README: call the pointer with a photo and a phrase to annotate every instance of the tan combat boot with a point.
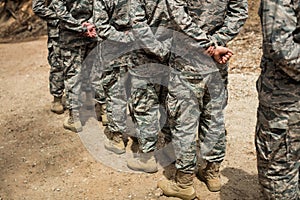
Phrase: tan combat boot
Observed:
(104, 119)
(72, 122)
(116, 144)
(100, 110)
(57, 106)
(210, 175)
(103, 115)
(182, 187)
(145, 162)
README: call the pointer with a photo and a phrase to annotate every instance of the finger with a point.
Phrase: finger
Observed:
(224, 60)
(85, 24)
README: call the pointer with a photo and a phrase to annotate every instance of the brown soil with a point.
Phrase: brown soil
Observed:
(41, 160)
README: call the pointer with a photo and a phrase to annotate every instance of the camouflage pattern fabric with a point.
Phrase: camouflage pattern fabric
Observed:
(72, 13)
(212, 133)
(225, 22)
(94, 60)
(209, 24)
(56, 78)
(277, 131)
(186, 104)
(115, 87)
(43, 9)
(87, 65)
(150, 22)
(278, 152)
(74, 46)
(145, 108)
(92, 72)
(278, 85)
(184, 114)
(72, 61)
(113, 25)
(112, 21)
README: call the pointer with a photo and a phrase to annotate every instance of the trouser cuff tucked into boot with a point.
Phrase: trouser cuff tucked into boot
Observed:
(182, 187)
(72, 122)
(115, 143)
(144, 162)
(210, 175)
(57, 106)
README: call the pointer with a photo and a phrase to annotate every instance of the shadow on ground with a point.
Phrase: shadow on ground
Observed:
(240, 185)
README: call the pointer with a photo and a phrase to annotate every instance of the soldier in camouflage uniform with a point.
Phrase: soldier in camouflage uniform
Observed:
(182, 103)
(77, 38)
(149, 70)
(112, 23)
(43, 9)
(277, 137)
(222, 21)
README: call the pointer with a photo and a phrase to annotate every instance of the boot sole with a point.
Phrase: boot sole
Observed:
(59, 112)
(143, 170)
(116, 151)
(184, 197)
(73, 129)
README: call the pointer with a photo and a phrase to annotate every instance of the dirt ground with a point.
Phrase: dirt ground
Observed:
(41, 160)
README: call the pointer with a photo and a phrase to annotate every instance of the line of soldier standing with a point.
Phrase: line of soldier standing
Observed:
(145, 54)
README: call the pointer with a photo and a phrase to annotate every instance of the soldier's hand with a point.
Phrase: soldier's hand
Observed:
(91, 30)
(210, 51)
(222, 54)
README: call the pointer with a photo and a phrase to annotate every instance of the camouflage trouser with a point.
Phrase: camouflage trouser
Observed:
(56, 78)
(212, 133)
(146, 96)
(185, 104)
(93, 72)
(72, 58)
(115, 89)
(184, 114)
(278, 153)
(88, 60)
(97, 75)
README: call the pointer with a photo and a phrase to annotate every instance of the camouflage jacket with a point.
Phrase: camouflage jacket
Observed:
(209, 23)
(168, 18)
(150, 23)
(222, 20)
(279, 83)
(44, 10)
(113, 25)
(72, 13)
(112, 21)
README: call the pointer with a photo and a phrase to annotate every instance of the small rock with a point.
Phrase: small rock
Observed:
(158, 192)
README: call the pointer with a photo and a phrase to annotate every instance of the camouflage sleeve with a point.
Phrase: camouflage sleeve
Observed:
(177, 11)
(279, 20)
(142, 31)
(296, 32)
(236, 16)
(66, 17)
(40, 8)
(102, 20)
